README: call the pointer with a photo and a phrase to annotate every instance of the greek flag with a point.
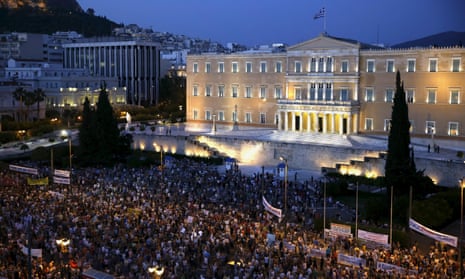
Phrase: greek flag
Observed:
(320, 14)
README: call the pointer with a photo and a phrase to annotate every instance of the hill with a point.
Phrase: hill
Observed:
(49, 16)
(444, 39)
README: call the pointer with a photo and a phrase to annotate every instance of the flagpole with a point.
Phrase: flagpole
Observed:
(324, 21)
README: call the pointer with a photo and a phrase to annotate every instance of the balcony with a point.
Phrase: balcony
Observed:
(348, 103)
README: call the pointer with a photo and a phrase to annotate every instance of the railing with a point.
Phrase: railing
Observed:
(318, 102)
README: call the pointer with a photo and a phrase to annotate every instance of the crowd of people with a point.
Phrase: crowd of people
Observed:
(189, 219)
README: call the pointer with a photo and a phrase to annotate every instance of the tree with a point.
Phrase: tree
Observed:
(39, 96)
(87, 133)
(400, 167)
(19, 94)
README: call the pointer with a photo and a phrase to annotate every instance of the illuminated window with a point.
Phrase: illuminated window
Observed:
(262, 117)
(195, 90)
(220, 67)
(234, 90)
(234, 67)
(221, 116)
(344, 66)
(195, 68)
(312, 91)
(263, 92)
(208, 67)
(430, 128)
(313, 64)
(369, 95)
(278, 67)
(278, 92)
(389, 96)
(431, 96)
(411, 65)
(208, 91)
(195, 114)
(456, 64)
(371, 66)
(329, 64)
(248, 67)
(344, 94)
(329, 92)
(453, 129)
(208, 115)
(220, 91)
(321, 64)
(298, 67)
(248, 92)
(368, 124)
(433, 64)
(390, 66)
(387, 125)
(320, 92)
(298, 93)
(410, 96)
(248, 117)
(454, 96)
(263, 67)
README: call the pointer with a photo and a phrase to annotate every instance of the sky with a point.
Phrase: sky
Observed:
(261, 22)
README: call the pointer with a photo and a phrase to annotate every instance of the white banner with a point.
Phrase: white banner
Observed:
(374, 237)
(61, 180)
(448, 239)
(34, 252)
(22, 169)
(273, 210)
(350, 260)
(61, 173)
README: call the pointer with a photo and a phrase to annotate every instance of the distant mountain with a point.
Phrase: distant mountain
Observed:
(49, 16)
(445, 39)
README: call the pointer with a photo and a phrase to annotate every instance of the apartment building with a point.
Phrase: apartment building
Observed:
(329, 85)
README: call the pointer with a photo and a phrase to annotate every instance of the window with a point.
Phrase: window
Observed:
(344, 94)
(208, 91)
(221, 91)
(320, 92)
(389, 96)
(298, 93)
(298, 67)
(433, 64)
(234, 116)
(370, 66)
(262, 67)
(262, 118)
(431, 96)
(195, 90)
(221, 116)
(344, 66)
(195, 67)
(195, 114)
(248, 117)
(387, 125)
(453, 129)
(248, 92)
(368, 124)
(234, 90)
(430, 128)
(455, 64)
(313, 64)
(454, 96)
(208, 115)
(369, 95)
(329, 92)
(208, 67)
(390, 66)
(278, 67)
(329, 64)
(248, 67)
(220, 67)
(312, 91)
(411, 65)
(234, 67)
(410, 96)
(278, 92)
(263, 92)
(321, 64)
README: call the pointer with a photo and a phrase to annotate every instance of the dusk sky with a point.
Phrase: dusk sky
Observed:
(257, 22)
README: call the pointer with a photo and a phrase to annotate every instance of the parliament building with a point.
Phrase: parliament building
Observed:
(329, 85)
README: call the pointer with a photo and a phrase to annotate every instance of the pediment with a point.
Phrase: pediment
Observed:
(323, 42)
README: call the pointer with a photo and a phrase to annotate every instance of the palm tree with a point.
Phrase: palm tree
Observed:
(39, 96)
(19, 94)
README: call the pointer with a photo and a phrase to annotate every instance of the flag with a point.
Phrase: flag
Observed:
(320, 14)
(275, 211)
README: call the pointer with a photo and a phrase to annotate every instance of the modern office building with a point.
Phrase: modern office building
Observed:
(136, 64)
(329, 85)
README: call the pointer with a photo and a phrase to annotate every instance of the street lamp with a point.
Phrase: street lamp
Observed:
(214, 124)
(63, 247)
(156, 271)
(67, 134)
(461, 185)
(286, 169)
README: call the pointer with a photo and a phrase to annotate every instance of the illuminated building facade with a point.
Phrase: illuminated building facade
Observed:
(329, 85)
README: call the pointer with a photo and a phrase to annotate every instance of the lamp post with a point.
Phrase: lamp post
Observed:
(286, 169)
(324, 209)
(461, 185)
(67, 134)
(156, 271)
(214, 124)
(63, 247)
(356, 214)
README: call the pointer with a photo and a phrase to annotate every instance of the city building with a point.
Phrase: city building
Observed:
(329, 85)
(136, 64)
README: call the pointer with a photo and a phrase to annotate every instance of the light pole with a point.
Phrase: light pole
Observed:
(67, 134)
(63, 247)
(286, 169)
(214, 124)
(156, 271)
(356, 214)
(461, 185)
(324, 209)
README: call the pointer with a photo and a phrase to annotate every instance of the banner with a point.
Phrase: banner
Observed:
(61, 173)
(34, 252)
(448, 239)
(61, 180)
(22, 169)
(350, 260)
(37, 181)
(373, 237)
(275, 211)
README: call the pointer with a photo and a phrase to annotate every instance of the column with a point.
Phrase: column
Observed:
(333, 124)
(341, 122)
(356, 123)
(286, 121)
(349, 123)
(325, 123)
(301, 120)
(280, 121)
(293, 121)
(309, 120)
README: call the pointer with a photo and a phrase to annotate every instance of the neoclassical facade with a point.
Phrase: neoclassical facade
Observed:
(329, 85)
